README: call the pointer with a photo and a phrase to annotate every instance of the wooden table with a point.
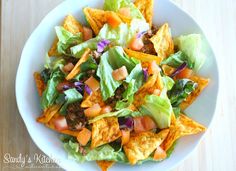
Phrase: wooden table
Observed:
(217, 18)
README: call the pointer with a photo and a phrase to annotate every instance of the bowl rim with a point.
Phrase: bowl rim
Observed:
(17, 80)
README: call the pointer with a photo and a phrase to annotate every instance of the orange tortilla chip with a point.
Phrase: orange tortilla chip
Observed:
(182, 127)
(49, 113)
(143, 57)
(71, 25)
(97, 18)
(141, 145)
(67, 132)
(105, 165)
(146, 8)
(168, 70)
(163, 42)
(105, 131)
(202, 83)
(39, 83)
(94, 98)
(76, 69)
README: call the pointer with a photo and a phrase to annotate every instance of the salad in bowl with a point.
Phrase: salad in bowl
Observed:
(116, 88)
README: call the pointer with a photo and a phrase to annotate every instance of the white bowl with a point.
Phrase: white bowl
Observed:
(32, 60)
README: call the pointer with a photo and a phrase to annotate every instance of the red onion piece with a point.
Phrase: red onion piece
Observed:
(179, 69)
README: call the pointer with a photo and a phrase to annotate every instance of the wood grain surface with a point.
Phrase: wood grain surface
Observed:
(217, 18)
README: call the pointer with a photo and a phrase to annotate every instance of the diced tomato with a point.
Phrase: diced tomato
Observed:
(125, 11)
(92, 83)
(60, 86)
(87, 33)
(185, 73)
(84, 136)
(93, 111)
(138, 125)
(143, 123)
(159, 154)
(106, 109)
(113, 20)
(153, 68)
(136, 44)
(68, 67)
(157, 92)
(60, 123)
(120, 74)
(148, 123)
(125, 135)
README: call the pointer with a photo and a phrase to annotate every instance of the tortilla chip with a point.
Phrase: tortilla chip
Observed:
(105, 165)
(39, 83)
(97, 18)
(76, 69)
(141, 145)
(143, 57)
(168, 70)
(105, 131)
(49, 113)
(50, 125)
(183, 126)
(163, 42)
(94, 98)
(202, 83)
(146, 8)
(71, 25)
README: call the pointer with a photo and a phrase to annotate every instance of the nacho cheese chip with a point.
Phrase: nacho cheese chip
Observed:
(182, 127)
(39, 83)
(163, 42)
(97, 18)
(202, 83)
(49, 113)
(71, 25)
(76, 69)
(143, 57)
(94, 98)
(105, 165)
(50, 125)
(105, 131)
(141, 145)
(146, 8)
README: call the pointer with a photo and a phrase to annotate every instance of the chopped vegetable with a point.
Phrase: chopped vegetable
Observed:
(179, 69)
(125, 11)
(102, 45)
(125, 135)
(185, 73)
(87, 90)
(113, 20)
(92, 83)
(136, 44)
(106, 109)
(120, 73)
(68, 67)
(93, 111)
(60, 123)
(84, 136)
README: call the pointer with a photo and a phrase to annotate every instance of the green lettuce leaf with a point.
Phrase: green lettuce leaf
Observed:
(113, 59)
(115, 5)
(192, 46)
(105, 152)
(72, 96)
(159, 108)
(180, 91)
(168, 82)
(66, 40)
(78, 50)
(90, 64)
(50, 93)
(177, 59)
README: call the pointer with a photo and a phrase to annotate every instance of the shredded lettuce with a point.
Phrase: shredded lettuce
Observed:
(90, 64)
(177, 59)
(115, 5)
(105, 152)
(180, 91)
(50, 93)
(72, 95)
(113, 59)
(192, 46)
(66, 40)
(168, 82)
(159, 108)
